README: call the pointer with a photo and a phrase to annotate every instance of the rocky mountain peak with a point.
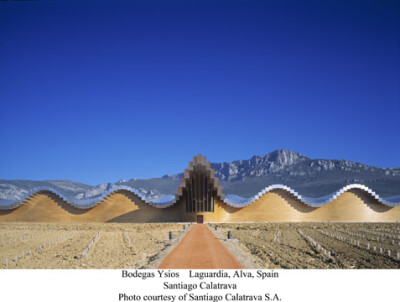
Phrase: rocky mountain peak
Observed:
(258, 165)
(312, 177)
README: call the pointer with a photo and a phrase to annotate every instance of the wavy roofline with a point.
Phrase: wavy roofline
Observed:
(309, 201)
(162, 202)
(231, 200)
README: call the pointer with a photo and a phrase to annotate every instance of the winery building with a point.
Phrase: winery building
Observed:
(200, 199)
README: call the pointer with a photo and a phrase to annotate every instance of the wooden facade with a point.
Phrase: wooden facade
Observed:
(199, 195)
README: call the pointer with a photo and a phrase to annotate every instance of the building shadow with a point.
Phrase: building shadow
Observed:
(146, 212)
(291, 200)
(54, 197)
(6, 212)
(294, 202)
(229, 209)
(63, 204)
(370, 201)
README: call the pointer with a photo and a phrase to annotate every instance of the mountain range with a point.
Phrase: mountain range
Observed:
(309, 177)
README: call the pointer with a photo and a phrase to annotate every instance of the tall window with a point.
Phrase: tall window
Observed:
(199, 193)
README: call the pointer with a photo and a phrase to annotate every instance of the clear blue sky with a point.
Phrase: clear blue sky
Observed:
(94, 91)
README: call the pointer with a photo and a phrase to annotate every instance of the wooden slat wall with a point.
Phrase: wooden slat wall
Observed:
(199, 193)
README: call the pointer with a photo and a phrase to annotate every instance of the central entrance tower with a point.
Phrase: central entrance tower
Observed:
(199, 188)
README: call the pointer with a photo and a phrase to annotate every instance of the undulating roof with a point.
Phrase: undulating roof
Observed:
(200, 164)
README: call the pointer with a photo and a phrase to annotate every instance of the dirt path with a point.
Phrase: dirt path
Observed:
(200, 249)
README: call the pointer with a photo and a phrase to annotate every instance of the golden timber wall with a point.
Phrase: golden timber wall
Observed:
(349, 206)
(275, 206)
(119, 207)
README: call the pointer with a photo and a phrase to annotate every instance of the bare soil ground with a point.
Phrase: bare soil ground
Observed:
(318, 245)
(145, 245)
(62, 245)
